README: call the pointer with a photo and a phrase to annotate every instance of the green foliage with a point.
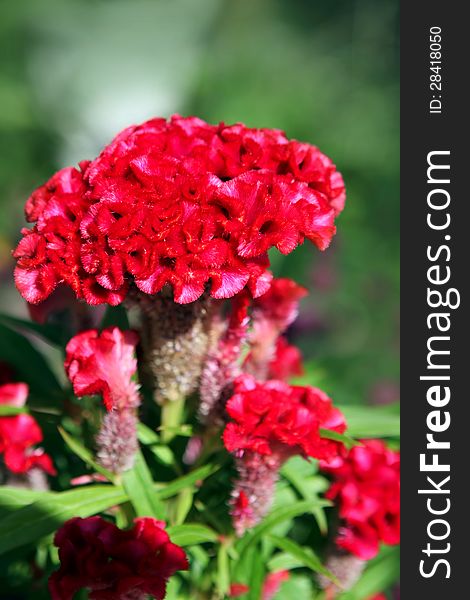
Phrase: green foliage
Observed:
(30, 365)
(43, 516)
(365, 422)
(79, 450)
(379, 575)
(138, 484)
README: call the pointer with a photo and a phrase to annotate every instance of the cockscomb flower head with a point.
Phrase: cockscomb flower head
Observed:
(366, 489)
(113, 564)
(177, 202)
(276, 418)
(272, 422)
(20, 433)
(104, 363)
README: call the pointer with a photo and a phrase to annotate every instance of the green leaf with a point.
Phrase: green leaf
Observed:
(284, 561)
(371, 421)
(302, 476)
(379, 575)
(147, 436)
(257, 576)
(51, 333)
(28, 363)
(305, 556)
(171, 489)
(44, 516)
(283, 513)
(79, 449)
(12, 498)
(223, 571)
(190, 534)
(165, 456)
(338, 437)
(151, 440)
(298, 586)
(182, 505)
(138, 484)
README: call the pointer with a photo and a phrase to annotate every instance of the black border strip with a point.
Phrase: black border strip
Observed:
(423, 132)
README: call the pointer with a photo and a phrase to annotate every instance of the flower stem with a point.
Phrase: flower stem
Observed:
(171, 418)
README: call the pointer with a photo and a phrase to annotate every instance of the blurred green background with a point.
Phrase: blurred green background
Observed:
(74, 72)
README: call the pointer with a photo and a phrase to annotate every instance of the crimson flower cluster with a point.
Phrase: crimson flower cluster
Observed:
(272, 422)
(114, 564)
(20, 433)
(177, 202)
(366, 488)
(276, 418)
(104, 363)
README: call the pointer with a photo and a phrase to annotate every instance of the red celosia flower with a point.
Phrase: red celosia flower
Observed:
(378, 597)
(114, 564)
(279, 306)
(286, 362)
(273, 582)
(272, 422)
(19, 433)
(272, 314)
(366, 487)
(181, 203)
(104, 363)
(275, 418)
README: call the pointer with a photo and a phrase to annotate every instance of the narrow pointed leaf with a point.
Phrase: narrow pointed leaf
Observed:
(44, 516)
(138, 484)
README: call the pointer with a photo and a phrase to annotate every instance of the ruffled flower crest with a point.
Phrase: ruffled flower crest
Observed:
(104, 364)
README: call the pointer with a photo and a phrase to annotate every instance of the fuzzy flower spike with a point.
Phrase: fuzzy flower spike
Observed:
(183, 210)
(103, 363)
(272, 422)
